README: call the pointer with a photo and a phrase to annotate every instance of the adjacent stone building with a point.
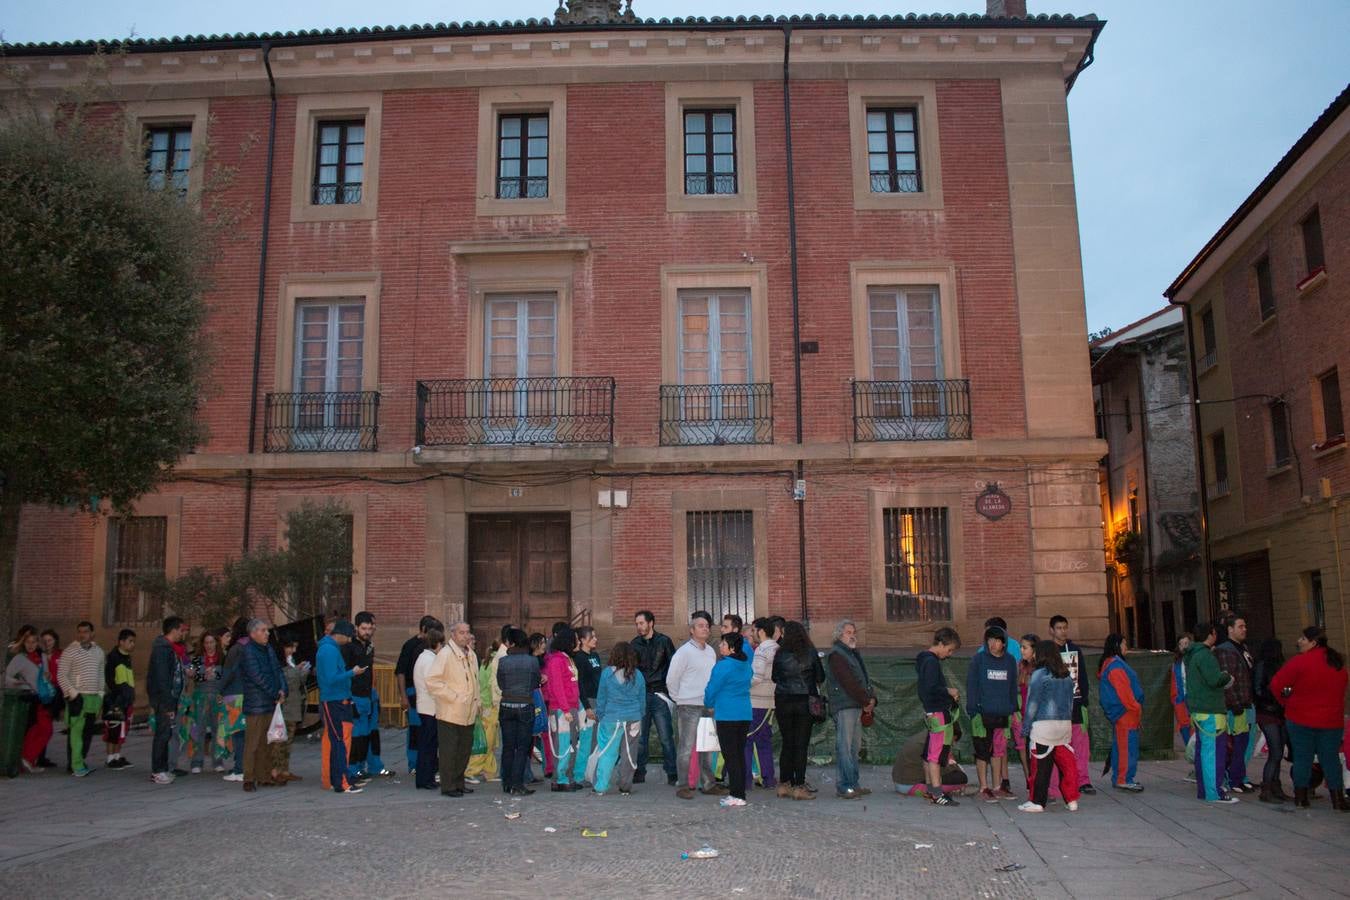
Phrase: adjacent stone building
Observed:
(1150, 507)
(1267, 304)
(587, 316)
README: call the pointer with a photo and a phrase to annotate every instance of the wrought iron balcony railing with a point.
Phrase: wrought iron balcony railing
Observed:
(529, 411)
(911, 410)
(699, 414)
(321, 422)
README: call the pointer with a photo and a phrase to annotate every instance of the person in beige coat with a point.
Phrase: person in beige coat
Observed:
(453, 682)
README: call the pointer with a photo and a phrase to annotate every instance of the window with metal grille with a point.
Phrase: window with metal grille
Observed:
(136, 547)
(329, 350)
(168, 157)
(337, 586)
(721, 562)
(710, 151)
(1311, 226)
(1209, 339)
(1279, 434)
(1218, 451)
(918, 564)
(1333, 422)
(522, 156)
(339, 163)
(1265, 290)
(893, 150)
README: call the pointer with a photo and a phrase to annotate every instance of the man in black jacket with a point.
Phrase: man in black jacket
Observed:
(654, 652)
(1075, 659)
(164, 686)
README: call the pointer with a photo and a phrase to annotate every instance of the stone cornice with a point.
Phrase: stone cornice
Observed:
(531, 57)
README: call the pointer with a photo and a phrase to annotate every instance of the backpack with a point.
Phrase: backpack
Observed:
(46, 691)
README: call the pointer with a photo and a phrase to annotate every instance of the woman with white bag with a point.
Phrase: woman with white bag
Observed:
(619, 704)
(728, 696)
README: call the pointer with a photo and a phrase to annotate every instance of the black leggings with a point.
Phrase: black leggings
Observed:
(794, 725)
(1276, 741)
(731, 736)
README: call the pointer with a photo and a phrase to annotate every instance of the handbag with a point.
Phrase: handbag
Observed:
(706, 739)
(818, 707)
(540, 714)
(276, 732)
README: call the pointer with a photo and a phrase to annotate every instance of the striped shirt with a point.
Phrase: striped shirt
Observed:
(80, 670)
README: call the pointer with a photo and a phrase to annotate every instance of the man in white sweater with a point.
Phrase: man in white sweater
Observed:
(690, 669)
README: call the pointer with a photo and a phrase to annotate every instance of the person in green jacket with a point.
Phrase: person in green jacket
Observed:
(1205, 683)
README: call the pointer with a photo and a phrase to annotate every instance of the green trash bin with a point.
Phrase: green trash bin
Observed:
(14, 708)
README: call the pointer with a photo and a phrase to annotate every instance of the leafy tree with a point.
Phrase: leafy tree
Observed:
(101, 310)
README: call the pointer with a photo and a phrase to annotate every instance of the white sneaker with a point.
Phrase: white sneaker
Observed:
(196, 770)
(469, 779)
(162, 778)
(1072, 806)
(29, 767)
(731, 801)
(220, 767)
(1030, 807)
(234, 776)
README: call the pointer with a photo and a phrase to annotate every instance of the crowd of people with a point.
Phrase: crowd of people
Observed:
(233, 700)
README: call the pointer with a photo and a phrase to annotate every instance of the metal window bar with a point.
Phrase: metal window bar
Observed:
(697, 414)
(937, 410)
(721, 562)
(918, 564)
(893, 150)
(168, 157)
(710, 151)
(321, 422)
(339, 161)
(540, 411)
(337, 584)
(136, 549)
(522, 156)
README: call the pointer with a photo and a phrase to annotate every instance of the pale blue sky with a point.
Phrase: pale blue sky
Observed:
(1189, 104)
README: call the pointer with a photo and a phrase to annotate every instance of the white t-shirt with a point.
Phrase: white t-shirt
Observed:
(426, 704)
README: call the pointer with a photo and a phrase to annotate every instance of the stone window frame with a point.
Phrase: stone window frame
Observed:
(168, 506)
(357, 506)
(492, 101)
(881, 499)
(752, 277)
(687, 501)
(310, 109)
(863, 276)
(735, 95)
(153, 113)
(922, 95)
(298, 288)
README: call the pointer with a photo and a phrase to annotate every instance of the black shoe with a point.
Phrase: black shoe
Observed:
(521, 792)
(1087, 789)
(576, 786)
(639, 777)
(536, 781)
(561, 789)
(452, 793)
(179, 773)
(672, 780)
(467, 790)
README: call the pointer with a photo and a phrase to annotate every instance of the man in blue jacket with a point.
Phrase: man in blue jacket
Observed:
(335, 706)
(264, 688)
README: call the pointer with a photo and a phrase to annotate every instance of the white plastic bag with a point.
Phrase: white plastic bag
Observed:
(706, 740)
(1190, 747)
(276, 732)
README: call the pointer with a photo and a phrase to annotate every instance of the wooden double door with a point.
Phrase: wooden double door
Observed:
(519, 573)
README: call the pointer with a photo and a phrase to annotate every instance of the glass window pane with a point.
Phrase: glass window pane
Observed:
(510, 126)
(695, 143)
(536, 168)
(696, 165)
(356, 154)
(510, 168)
(353, 174)
(723, 143)
(904, 143)
(876, 143)
(694, 122)
(356, 134)
(328, 155)
(328, 134)
(723, 123)
(539, 127)
(876, 120)
(906, 162)
(538, 147)
(904, 121)
(724, 164)
(878, 162)
(510, 148)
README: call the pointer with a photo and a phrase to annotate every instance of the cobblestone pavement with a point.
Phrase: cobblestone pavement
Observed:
(117, 834)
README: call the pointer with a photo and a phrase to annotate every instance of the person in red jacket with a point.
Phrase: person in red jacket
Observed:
(1312, 688)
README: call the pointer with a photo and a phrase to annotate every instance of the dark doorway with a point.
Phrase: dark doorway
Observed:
(1169, 621)
(519, 573)
(1242, 586)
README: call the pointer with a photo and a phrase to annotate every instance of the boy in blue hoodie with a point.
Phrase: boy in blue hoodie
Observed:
(335, 704)
(991, 700)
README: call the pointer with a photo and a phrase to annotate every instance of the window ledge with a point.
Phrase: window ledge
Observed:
(1313, 281)
(1329, 447)
(1218, 491)
(1206, 366)
(1279, 470)
(1265, 323)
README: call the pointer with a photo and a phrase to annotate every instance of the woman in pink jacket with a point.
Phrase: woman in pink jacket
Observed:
(562, 696)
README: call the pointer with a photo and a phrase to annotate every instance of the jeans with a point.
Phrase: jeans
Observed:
(1239, 742)
(847, 746)
(658, 713)
(237, 743)
(759, 746)
(1275, 740)
(426, 749)
(731, 737)
(1325, 744)
(687, 718)
(516, 724)
(794, 726)
(166, 719)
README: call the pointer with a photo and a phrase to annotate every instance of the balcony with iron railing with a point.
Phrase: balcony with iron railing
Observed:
(327, 422)
(716, 414)
(515, 411)
(936, 410)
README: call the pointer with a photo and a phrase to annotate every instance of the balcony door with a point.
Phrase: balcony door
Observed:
(520, 362)
(906, 337)
(329, 349)
(715, 365)
(519, 572)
